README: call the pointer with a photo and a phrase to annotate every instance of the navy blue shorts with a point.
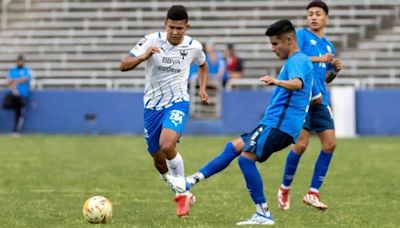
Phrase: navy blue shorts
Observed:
(264, 141)
(319, 118)
(173, 118)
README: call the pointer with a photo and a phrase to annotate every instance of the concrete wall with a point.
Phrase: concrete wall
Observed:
(70, 112)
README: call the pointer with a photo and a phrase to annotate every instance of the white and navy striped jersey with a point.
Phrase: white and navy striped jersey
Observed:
(167, 72)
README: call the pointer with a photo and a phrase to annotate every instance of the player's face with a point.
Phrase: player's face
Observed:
(20, 63)
(176, 30)
(316, 18)
(280, 46)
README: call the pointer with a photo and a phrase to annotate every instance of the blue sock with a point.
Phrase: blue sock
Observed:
(253, 180)
(320, 170)
(220, 162)
(290, 168)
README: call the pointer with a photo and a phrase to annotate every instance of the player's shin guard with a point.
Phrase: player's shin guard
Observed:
(220, 162)
(292, 161)
(320, 170)
(253, 179)
(176, 166)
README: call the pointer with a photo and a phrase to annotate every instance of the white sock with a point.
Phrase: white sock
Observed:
(175, 166)
(262, 209)
(195, 178)
(285, 187)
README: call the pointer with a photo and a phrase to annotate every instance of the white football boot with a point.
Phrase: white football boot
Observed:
(258, 219)
(313, 199)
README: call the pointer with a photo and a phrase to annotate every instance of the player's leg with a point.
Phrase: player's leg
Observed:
(172, 128)
(247, 164)
(328, 142)
(20, 114)
(260, 146)
(152, 129)
(326, 131)
(15, 105)
(292, 161)
(219, 163)
(174, 162)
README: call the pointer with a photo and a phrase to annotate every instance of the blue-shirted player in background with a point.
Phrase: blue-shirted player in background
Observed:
(19, 83)
(312, 42)
(280, 125)
(168, 56)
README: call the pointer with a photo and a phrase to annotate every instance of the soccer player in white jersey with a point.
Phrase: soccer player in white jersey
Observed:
(168, 56)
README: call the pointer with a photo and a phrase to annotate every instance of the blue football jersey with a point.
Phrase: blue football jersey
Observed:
(20, 72)
(288, 109)
(312, 45)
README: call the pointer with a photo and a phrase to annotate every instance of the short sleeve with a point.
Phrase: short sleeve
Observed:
(198, 56)
(297, 67)
(143, 44)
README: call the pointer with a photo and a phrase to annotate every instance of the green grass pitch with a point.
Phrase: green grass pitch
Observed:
(44, 181)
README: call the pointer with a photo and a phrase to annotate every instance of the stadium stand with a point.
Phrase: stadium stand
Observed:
(70, 41)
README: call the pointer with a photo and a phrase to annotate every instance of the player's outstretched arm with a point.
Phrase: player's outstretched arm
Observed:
(203, 79)
(294, 84)
(131, 62)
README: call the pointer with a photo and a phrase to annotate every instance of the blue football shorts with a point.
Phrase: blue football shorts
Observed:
(319, 118)
(264, 141)
(173, 117)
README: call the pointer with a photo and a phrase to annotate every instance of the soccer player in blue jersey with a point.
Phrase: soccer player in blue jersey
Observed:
(18, 81)
(312, 42)
(168, 56)
(280, 125)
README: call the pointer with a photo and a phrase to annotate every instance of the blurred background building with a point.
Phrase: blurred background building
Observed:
(77, 45)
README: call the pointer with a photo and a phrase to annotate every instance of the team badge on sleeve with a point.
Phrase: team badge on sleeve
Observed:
(142, 41)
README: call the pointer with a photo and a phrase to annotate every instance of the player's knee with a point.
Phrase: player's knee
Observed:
(329, 146)
(300, 147)
(167, 147)
(237, 144)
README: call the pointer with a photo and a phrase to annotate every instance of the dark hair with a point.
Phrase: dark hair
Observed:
(177, 13)
(280, 27)
(320, 4)
(230, 46)
(21, 57)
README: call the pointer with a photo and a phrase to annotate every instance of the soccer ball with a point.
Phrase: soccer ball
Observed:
(97, 209)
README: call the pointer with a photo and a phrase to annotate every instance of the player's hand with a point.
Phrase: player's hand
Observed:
(149, 52)
(337, 65)
(269, 80)
(327, 58)
(205, 99)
